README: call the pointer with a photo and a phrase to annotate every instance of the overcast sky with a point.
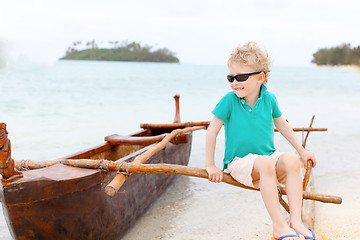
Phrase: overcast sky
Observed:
(200, 32)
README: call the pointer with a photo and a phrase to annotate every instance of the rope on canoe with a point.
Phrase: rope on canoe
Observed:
(102, 164)
(24, 165)
(127, 168)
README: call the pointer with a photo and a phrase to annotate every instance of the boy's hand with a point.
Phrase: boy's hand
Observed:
(305, 155)
(215, 174)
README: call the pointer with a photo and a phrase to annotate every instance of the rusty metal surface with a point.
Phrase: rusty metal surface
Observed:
(62, 203)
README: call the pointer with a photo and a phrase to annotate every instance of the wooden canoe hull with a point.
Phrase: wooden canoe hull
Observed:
(61, 202)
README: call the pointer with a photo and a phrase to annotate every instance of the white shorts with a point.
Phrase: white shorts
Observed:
(241, 168)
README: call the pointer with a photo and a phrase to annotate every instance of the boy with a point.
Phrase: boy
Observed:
(249, 114)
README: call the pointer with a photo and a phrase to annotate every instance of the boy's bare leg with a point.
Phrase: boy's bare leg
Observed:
(288, 169)
(264, 174)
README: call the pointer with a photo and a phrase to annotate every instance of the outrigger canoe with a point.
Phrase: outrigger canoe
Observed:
(63, 202)
(76, 197)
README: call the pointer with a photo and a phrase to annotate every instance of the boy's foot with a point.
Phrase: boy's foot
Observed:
(314, 234)
(307, 232)
(287, 237)
(286, 234)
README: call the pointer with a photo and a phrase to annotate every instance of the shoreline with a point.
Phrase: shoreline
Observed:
(339, 66)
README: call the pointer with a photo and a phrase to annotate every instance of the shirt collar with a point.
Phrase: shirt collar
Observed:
(262, 91)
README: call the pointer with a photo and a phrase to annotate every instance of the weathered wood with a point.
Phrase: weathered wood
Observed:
(307, 174)
(308, 207)
(116, 139)
(206, 124)
(24, 165)
(177, 109)
(284, 204)
(309, 162)
(307, 129)
(113, 187)
(308, 132)
(174, 125)
(187, 171)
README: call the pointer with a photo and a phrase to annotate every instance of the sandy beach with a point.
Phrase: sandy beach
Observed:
(232, 213)
(339, 221)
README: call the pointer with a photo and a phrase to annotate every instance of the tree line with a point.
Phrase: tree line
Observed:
(123, 51)
(340, 55)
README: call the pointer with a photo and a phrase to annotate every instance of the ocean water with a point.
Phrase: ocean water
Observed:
(54, 110)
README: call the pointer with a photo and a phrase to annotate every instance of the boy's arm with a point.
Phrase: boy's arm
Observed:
(286, 130)
(215, 174)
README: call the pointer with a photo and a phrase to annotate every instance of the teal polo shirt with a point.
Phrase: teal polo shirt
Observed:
(248, 130)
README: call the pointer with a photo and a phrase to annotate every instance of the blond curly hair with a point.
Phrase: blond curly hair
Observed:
(252, 55)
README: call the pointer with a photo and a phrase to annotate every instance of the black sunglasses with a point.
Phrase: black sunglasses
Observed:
(241, 77)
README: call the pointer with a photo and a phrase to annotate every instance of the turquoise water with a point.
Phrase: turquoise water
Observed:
(52, 111)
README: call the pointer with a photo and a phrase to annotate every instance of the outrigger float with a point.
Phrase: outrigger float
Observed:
(76, 197)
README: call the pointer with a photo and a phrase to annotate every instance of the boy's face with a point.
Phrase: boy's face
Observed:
(246, 88)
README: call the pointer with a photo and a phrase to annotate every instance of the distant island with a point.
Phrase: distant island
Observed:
(124, 52)
(340, 55)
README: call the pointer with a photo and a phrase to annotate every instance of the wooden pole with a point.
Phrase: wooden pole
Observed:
(284, 204)
(308, 131)
(23, 165)
(307, 174)
(113, 187)
(309, 163)
(175, 125)
(206, 124)
(187, 171)
(308, 209)
(177, 109)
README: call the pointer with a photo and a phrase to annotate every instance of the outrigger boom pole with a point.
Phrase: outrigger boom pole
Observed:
(179, 170)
